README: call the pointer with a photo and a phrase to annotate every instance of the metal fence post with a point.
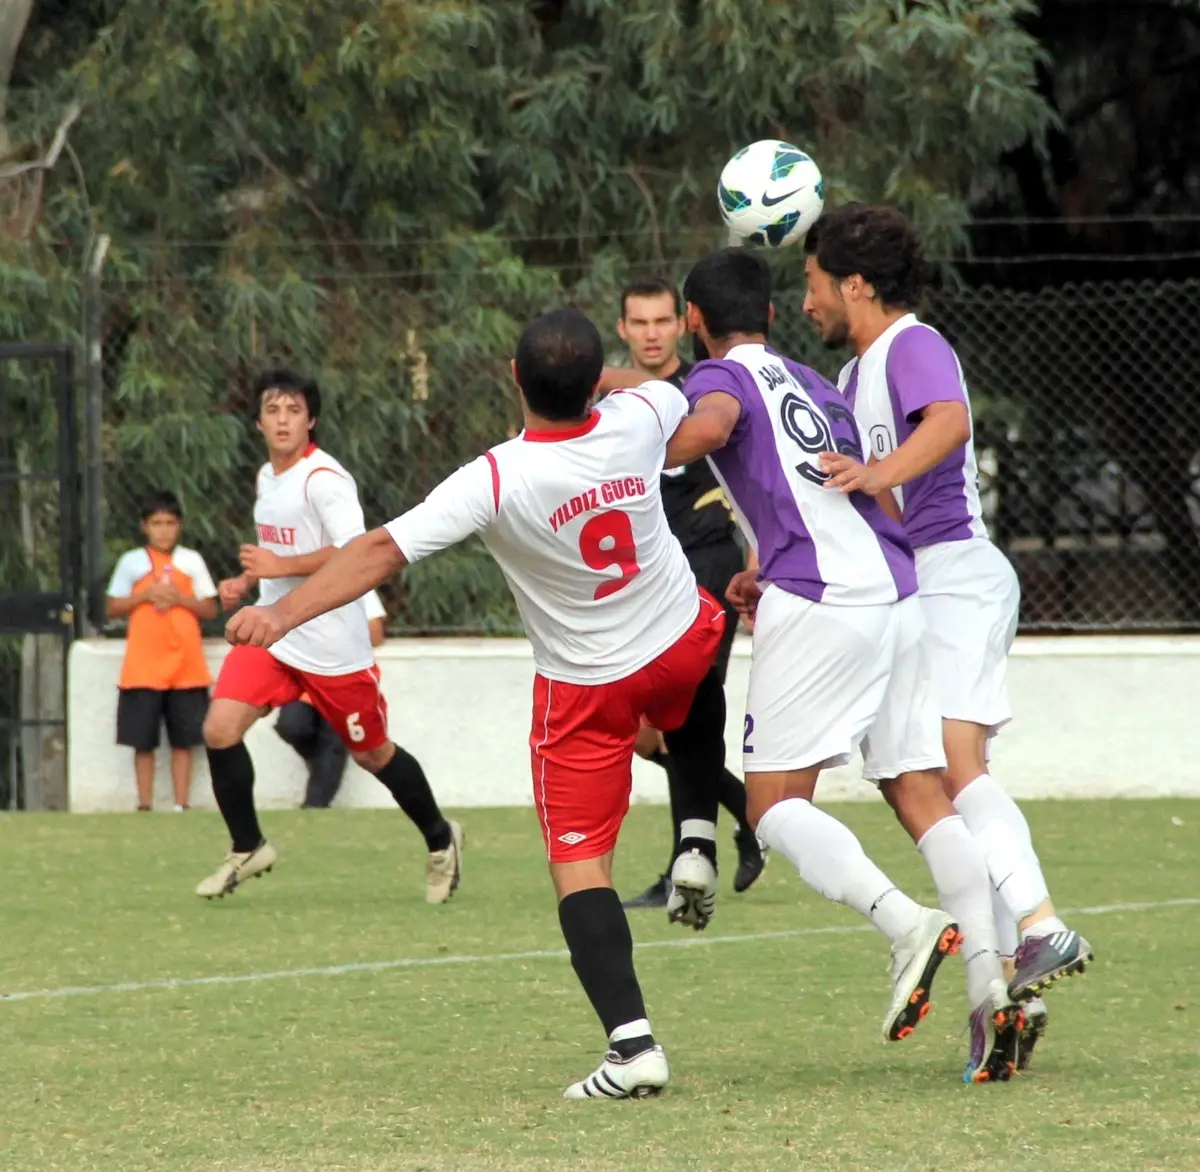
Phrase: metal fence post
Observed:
(93, 420)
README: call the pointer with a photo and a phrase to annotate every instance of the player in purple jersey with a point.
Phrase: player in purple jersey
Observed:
(840, 659)
(906, 388)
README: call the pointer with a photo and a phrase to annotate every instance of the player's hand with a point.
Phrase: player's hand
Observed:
(231, 591)
(848, 475)
(743, 593)
(262, 563)
(258, 626)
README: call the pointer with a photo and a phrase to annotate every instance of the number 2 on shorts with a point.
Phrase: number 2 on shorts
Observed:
(747, 747)
(605, 541)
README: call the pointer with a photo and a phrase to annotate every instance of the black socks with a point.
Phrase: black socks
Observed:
(233, 787)
(406, 780)
(598, 938)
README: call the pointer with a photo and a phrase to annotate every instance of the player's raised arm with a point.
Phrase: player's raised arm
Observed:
(617, 378)
(464, 503)
(348, 574)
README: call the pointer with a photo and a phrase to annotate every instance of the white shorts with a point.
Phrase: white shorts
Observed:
(971, 597)
(826, 679)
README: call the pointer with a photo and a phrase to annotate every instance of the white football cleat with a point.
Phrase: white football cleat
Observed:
(443, 870)
(640, 1077)
(237, 868)
(693, 898)
(915, 961)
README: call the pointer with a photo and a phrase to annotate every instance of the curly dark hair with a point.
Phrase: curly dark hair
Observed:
(878, 243)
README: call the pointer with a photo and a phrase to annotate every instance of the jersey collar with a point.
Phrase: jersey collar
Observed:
(548, 436)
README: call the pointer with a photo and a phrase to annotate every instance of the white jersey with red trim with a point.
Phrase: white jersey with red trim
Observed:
(575, 520)
(314, 503)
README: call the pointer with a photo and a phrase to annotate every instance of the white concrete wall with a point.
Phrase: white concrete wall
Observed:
(1095, 716)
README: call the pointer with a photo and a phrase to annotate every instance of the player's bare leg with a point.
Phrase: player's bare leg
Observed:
(831, 860)
(181, 776)
(1047, 949)
(143, 773)
(965, 893)
(232, 771)
(601, 947)
(405, 780)
(651, 747)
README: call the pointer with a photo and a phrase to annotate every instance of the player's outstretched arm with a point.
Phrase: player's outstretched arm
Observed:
(619, 378)
(943, 429)
(348, 574)
(708, 428)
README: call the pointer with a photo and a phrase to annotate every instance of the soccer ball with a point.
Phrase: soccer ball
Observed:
(770, 193)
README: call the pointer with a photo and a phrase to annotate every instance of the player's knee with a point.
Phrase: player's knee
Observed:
(220, 731)
(918, 799)
(966, 753)
(373, 760)
(296, 723)
(649, 741)
(757, 804)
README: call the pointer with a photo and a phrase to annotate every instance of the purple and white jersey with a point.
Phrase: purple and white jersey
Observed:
(826, 546)
(908, 367)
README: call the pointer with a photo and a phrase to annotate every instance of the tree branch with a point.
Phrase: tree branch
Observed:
(648, 196)
(48, 160)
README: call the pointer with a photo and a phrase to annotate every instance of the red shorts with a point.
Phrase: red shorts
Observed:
(583, 737)
(353, 704)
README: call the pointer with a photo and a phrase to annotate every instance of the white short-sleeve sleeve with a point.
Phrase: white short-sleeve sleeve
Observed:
(374, 605)
(130, 570)
(668, 403)
(464, 503)
(192, 564)
(334, 497)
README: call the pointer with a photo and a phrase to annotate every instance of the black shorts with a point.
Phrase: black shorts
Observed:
(141, 713)
(714, 566)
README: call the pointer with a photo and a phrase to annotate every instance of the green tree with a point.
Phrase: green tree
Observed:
(382, 191)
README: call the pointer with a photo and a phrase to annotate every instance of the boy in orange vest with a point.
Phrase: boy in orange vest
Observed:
(164, 590)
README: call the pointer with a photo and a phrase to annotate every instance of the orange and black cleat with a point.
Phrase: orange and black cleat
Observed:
(915, 962)
(996, 1025)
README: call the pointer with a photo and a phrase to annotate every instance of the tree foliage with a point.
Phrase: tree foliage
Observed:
(382, 191)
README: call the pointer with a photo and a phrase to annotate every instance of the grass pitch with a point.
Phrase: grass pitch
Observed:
(441, 1038)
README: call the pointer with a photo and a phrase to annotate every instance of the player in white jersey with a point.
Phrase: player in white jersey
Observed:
(571, 511)
(839, 659)
(307, 505)
(906, 388)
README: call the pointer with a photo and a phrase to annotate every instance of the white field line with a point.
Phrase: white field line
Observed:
(423, 962)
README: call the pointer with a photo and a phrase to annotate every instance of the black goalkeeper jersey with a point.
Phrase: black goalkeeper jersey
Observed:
(695, 503)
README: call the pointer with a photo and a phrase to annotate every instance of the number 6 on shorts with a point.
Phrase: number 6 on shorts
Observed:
(354, 730)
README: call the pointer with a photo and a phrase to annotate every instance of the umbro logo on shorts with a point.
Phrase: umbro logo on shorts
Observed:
(571, 838)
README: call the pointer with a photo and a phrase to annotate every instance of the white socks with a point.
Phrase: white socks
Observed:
(965, 892)
(832, 861)
(997, 824)
(631, 1029)
(1045, 927)
(697, 828)
(1007, 935)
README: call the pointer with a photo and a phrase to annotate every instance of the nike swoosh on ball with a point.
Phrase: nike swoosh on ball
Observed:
(768, 202)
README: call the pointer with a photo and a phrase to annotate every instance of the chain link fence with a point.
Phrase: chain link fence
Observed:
(1085, 397)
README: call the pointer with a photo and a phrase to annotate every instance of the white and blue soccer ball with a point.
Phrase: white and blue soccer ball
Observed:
(770, 193)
